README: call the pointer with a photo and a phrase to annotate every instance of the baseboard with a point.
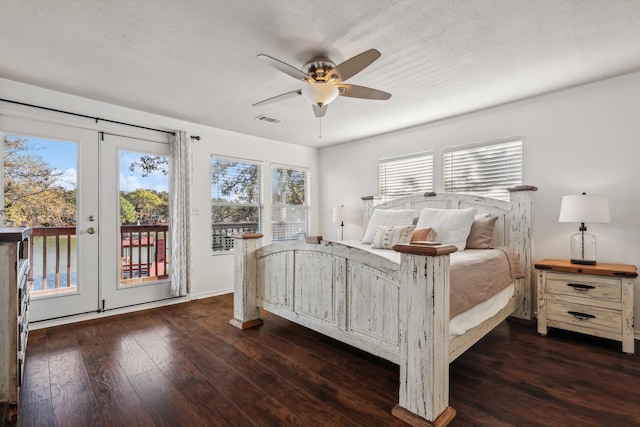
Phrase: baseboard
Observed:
(98, 315)
(211, 294)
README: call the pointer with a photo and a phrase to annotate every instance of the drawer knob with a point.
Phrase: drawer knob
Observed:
(580, 287)
(581, 316)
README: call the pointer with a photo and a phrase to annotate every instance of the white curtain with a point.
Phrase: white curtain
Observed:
(180, 208)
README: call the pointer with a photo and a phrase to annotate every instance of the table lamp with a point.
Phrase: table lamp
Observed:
(340, 214)
(584, 208)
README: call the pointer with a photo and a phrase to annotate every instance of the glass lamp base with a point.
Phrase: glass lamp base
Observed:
(583, 248)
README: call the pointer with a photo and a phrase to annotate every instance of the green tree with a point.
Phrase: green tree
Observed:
(288, 186)
(32, 193)
(233, 186)
(128, 213)
(162, 211)
(146, 203)
(235, 181)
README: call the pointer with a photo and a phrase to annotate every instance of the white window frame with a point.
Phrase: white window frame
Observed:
(225, 238)
(393, 172)
(501, 168)
(299, 234)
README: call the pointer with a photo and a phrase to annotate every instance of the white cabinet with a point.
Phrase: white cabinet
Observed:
(14, 314)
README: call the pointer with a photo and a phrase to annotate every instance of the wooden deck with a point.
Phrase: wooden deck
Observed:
(184, 365)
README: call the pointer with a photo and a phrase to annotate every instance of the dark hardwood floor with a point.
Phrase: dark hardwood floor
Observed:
(184, 365)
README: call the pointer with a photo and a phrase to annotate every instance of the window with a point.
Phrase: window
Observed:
(401, 176)
(289, 203)
(236, 202)
(485, 170)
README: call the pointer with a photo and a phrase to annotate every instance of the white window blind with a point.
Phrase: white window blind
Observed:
(236, 201)
(401, 176)
(289, 203)
(486, 170)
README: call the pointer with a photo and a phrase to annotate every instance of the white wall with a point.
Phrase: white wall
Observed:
(585, 139)
(211, 274)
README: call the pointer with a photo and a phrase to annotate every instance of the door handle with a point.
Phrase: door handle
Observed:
(91, 230)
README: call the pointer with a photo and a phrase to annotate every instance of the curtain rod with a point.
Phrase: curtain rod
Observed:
(196, 137)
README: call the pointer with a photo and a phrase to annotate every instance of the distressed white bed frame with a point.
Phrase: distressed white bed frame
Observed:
(400, 313)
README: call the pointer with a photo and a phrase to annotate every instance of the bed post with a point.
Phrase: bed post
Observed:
(424, 335)
(367, 209)
(521, 241)
(245, 311)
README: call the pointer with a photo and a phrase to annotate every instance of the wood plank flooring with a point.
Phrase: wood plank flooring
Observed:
(184, 365)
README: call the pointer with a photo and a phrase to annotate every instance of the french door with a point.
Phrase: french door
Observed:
(50, 182)
(98, 207)
(135, 245)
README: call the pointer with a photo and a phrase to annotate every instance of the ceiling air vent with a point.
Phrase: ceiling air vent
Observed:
(268, 119)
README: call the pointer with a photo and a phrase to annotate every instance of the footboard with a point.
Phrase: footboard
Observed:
(339, 291)
(354, 297)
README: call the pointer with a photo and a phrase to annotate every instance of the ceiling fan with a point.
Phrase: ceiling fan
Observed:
(325, 81)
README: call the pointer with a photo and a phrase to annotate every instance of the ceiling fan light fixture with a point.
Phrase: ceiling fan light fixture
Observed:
(320, 93)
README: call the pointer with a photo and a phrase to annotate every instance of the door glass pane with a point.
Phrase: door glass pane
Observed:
(40, 191)
(144, 218)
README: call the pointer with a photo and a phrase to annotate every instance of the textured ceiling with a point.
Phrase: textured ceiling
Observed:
(196, 59)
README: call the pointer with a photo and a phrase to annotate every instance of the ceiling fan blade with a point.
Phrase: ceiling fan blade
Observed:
(278, 98)
(286, 68)
(355, 91)
(353, 66)
(319, 110)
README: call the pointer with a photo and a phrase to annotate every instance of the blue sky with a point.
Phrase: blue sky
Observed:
(59, 155)
(129, 181)
(63, 157)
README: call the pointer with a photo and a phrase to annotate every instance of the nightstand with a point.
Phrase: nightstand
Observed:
(591, 299)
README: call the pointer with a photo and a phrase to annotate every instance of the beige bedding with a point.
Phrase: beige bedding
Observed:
(478, 274)
(475, 276)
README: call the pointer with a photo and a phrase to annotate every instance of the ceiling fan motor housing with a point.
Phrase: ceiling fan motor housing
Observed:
(320, 69)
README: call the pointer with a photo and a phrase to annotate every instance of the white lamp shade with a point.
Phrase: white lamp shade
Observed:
(320, 93)
(340, 214)
(585, 208)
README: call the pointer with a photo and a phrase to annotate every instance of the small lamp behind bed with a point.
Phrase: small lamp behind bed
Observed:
(340, 215)
(584, 208)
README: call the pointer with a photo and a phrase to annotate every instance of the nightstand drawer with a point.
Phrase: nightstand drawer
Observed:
(577, 316)
(581, 285)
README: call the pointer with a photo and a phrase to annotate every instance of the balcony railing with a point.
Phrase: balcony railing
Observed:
(143, 253)
(223, 233)
(53, 259)
(144, 257)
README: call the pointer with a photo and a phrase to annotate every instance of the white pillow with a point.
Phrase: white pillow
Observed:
(387, 217)
(452, 226)
(388, 236)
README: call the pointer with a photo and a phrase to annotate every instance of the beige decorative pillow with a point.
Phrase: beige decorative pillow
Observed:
(387, 217)
(388, 236)
(422, 234)
(481, 232)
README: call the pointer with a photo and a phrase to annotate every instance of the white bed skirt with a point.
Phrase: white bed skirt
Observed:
(481, 312)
